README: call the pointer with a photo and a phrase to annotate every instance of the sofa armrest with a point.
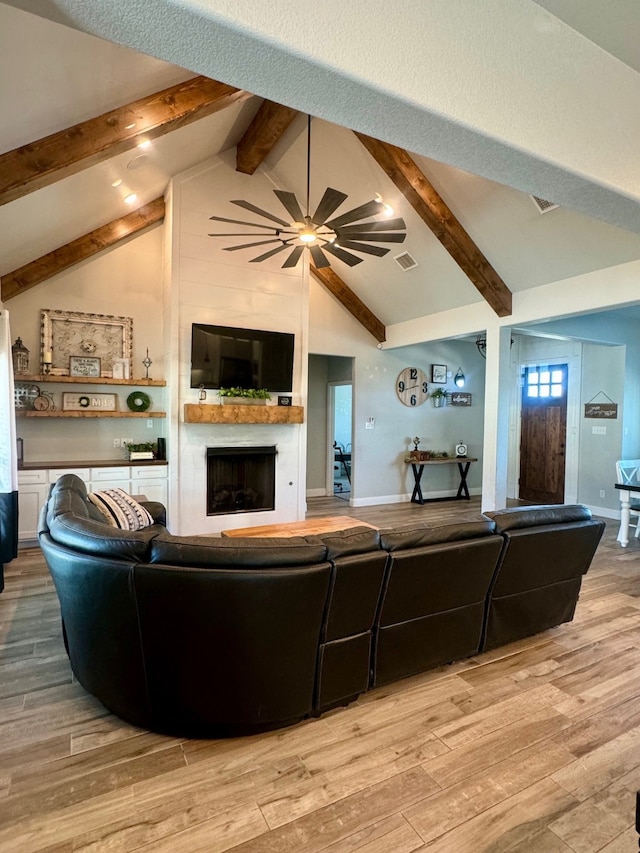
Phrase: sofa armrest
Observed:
(156, 510)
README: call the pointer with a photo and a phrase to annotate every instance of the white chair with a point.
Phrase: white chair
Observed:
(628, 473)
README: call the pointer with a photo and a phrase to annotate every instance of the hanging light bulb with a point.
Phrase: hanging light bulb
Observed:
(459, 378)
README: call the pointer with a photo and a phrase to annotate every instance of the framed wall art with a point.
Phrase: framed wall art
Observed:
(439, 373)
(71, 333)
(89, 402)
(84, 365)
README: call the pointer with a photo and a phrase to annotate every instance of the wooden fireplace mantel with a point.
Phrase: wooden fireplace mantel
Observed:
(201, 413)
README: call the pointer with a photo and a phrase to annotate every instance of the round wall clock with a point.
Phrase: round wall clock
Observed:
(411, 386)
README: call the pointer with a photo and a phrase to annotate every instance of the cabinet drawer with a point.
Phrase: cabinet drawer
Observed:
(27, 478)
(149, 473)
(101, 475)
(56, 473)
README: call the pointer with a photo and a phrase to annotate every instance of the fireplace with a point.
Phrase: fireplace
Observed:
(240, 479)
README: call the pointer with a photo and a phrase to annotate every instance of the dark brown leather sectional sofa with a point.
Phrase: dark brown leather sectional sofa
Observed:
(212, 637)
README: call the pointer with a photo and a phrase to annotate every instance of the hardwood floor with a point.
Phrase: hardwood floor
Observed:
(532, 748)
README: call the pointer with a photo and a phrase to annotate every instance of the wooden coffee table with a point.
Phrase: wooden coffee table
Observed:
(309, 527)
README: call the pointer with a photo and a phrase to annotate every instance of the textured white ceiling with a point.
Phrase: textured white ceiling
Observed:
(504, 90)
(63, 75)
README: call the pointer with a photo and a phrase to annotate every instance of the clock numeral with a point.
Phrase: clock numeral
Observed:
(414, 373)
(413, 400)
(424, 388)
(401, 386)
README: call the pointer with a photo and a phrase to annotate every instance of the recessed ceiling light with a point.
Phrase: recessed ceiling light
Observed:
(129, 199)
(146, 143)
(117, 182)
(130, 126)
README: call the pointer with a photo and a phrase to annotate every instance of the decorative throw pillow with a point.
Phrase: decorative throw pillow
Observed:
(120, 509)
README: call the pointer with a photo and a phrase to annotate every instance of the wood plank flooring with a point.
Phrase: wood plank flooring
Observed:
(532, 748)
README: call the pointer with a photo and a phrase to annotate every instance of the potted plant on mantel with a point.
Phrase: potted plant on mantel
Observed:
(438, 395)
(244, 396)
(142, 450)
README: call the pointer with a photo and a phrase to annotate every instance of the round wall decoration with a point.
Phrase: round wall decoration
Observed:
(138, 401)
(411, 386)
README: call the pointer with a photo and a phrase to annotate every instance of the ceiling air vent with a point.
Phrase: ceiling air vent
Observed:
(405, 261)
(542, 206)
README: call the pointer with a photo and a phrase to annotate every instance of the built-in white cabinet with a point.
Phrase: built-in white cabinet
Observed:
(34, 485)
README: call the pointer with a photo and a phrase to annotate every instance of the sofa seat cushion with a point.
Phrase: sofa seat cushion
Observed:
(234, 552)
(120, 509)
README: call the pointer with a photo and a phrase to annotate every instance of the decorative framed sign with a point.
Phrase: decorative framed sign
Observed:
(84, 365)
(71, 333)
(89, 402)
(439, 373)
(601, 410)
(459, 398)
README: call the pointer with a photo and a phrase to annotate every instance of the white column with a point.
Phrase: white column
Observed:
(496, 418)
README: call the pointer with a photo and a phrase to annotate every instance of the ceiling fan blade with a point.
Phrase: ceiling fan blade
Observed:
(269, 254)
(276, 233)
(290, 203)
(363, 247)
(248, 206)
(293, 258)
(362, 212)
(330, 201)
(241, 222)
(385, 225)
(339, 253)
(319, 258)
(249, 245)
(377, 238)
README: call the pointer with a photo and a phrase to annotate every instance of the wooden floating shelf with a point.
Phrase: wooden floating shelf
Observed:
(195, 413)
(29, 413)
(90, 380)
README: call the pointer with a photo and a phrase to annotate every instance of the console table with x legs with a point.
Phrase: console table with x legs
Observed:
(463, 463)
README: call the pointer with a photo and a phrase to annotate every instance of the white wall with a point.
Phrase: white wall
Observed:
(124, 281)
(379, 473)
(209, 285)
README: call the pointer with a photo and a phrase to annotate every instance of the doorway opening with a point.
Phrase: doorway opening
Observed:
(543, 433)
(340, 404)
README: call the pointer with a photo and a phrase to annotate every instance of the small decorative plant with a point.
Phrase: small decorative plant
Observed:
(250, 393)
(140, 447)
(438, 393)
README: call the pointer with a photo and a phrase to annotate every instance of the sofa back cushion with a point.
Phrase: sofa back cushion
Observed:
(95, 537)
(535, 516)
(420, 535)
(235, 552)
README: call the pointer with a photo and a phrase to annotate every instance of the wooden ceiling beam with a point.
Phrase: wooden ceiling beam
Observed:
(268, 125)
(435, 212)
(343, 293)
(81, 249)
(69, 151)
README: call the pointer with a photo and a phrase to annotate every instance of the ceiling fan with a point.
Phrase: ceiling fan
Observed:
(339, 236)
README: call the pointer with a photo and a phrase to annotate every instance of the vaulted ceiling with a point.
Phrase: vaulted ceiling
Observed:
(473, 237)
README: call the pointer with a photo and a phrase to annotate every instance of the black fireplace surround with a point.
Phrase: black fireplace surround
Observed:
(240, 479)
(214, 636)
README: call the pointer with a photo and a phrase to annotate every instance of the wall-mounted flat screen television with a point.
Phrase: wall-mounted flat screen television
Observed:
(227, 357)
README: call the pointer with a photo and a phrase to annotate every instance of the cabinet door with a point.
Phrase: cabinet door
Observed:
(153, 490)
(31, 498)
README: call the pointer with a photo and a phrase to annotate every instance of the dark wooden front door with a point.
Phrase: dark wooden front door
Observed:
(543, 434)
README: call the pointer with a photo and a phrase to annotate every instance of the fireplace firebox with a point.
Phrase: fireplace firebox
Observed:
(240, 479)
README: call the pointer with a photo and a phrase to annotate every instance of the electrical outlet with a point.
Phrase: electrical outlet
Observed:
(598, 430)
(116, 442)
(601, 493)
(149, 423)
(126, 441)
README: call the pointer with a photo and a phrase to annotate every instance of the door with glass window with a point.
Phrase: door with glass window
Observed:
(543, 433)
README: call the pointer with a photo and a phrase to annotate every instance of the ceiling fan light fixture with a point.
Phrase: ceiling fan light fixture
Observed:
(322, 233)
